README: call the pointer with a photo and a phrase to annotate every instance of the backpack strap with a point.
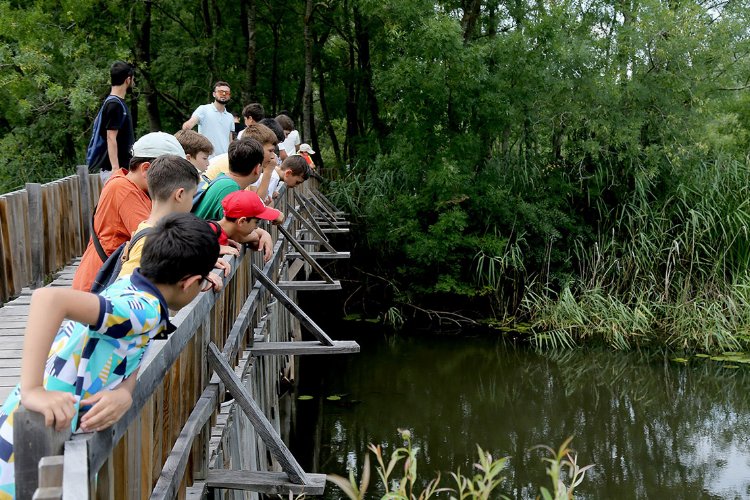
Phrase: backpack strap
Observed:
(97, 244)
(139, 235)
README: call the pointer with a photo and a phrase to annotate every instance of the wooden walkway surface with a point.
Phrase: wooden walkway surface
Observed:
(12, 323)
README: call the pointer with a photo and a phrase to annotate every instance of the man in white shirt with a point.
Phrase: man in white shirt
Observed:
(213, 120)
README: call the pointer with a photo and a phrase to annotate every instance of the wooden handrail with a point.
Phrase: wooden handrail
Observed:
(43, 228)
(163, 440)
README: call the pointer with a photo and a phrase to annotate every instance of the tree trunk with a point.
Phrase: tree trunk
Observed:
(249, 91)
(307, 100)
(143, 62)
(275, 28)
(363, 44)
(327, 116)
(352, 129)
(470, 18)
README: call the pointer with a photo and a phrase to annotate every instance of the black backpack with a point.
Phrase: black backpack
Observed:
(97, 148)
(113, 264)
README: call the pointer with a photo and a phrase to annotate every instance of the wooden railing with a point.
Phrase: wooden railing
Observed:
(42, 228)
(163, 447)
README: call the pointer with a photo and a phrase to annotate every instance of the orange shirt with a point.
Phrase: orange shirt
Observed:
(122, 206)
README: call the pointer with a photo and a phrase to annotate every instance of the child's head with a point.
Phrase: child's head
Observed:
(245, 156)
(286, 123)
(179, 253)
(266, 137)
(275, 128)
(244, 208)
(253, 113)
(172, 180)
(197, 148)
(146, 149)
(294, 170)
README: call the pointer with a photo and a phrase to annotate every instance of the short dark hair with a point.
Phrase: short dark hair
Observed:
(180, 246)
(275, 128)
(193, 142)
(285, 122)
(297, 164)
(220, 83)
(168, 173)
(119, 72)
(136, 162)
(244, 155)
(255, 111)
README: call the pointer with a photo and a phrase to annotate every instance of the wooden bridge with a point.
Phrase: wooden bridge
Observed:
(180, 438)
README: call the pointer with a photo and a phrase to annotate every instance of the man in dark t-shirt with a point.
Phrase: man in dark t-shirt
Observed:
(116, 125)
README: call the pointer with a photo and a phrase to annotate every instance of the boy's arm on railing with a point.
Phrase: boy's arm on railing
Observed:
(49, 307)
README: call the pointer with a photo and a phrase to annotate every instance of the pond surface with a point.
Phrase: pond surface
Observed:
(653, 428)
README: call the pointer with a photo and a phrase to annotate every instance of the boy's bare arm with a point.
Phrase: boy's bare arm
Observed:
(260, 239)
(49, 307)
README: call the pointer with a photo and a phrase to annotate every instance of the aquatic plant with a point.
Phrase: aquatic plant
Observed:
(482, 485)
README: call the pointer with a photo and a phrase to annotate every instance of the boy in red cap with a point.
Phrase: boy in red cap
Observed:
(242, 209)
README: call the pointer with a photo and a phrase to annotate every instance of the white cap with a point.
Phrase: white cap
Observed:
(305, 148)
(157, 144)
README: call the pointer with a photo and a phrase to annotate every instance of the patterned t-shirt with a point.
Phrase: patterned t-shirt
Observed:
(86, 359)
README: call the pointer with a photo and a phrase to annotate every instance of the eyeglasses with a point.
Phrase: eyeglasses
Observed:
(206, 284)
(224, 92)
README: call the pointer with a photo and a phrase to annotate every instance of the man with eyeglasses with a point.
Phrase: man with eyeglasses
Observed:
(213, 120)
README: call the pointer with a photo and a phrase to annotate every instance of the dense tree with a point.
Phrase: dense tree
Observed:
(481, 143)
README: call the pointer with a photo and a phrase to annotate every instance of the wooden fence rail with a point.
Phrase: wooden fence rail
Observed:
(177, 440)
(43, 228)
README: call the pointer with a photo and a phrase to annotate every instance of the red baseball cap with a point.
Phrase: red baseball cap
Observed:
(247, 204)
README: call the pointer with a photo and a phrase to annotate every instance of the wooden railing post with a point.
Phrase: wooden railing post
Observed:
(34, 193)
(83, 175)
(32, 440)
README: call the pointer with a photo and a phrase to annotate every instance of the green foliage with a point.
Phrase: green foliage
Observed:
(400, 481)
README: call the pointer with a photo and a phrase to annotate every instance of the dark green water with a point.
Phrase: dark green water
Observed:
(654, 428)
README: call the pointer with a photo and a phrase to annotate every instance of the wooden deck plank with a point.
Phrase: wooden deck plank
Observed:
(271, 483)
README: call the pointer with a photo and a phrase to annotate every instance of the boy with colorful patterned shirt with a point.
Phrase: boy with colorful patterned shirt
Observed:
(82, 351)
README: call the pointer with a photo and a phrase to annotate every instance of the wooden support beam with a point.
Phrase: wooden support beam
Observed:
(310, 218)
(303, 347)
(48, 493)
(333, 207)
(309, 285)
(303, 318)
(174, 467)
(76, 473)
(33, 440)
(309, 207)
(289, 237)
(319, 255)
(339, 223)
(270, 483)
(261, 424)
(34, 193)
(314, 199)
(51, 472)
(315, 232)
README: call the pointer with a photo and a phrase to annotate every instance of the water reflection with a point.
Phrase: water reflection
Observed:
(654, 429)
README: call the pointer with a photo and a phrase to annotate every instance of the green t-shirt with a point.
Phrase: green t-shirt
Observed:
(210, 206)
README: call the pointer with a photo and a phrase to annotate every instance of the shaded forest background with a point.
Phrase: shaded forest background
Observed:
(580, 165)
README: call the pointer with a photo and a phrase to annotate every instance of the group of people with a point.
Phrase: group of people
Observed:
(183, 200)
